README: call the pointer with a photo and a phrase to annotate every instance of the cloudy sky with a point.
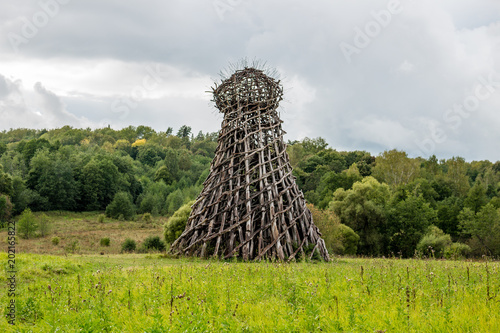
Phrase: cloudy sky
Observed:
(422, 76)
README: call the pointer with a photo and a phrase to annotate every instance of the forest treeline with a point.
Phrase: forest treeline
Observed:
(390, 204)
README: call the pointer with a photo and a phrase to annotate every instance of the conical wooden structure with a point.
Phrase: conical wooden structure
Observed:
(250, 205)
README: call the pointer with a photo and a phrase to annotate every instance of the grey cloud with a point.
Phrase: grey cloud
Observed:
(424, 61)
(53, 109)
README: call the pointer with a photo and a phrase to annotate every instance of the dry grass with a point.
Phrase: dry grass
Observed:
(85, 229)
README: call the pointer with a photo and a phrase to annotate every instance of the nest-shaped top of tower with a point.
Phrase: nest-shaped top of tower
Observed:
(248, 87)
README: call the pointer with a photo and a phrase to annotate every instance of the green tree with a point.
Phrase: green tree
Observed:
(448, 211)
(174, 201)
(418, 187)
(3, 148)
(408, 221)
(99, 179)
(172, 163)
(164, 174)
(363, 209)
(151, 203)
(296, 153)
(395, 168)
(5, 209)
(432, 166)
(184, 133)
(483, 227)
(30, 148)
(476, 197)
(19, 197)
(314, 146)
(331, 181)
(5, 183)
(145, 132)
(150, 154)
(121, 205)
(52, 177)
(457, 176)
(185, 160)
(27, 226)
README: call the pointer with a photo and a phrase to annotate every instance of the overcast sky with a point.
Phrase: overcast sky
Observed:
(421, 76)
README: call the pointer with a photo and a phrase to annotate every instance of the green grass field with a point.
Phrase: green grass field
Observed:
(151, 293)
(86, 291)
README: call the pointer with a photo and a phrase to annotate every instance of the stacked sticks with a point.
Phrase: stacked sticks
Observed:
(250, 205)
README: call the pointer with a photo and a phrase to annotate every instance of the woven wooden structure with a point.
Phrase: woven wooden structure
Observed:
(250, 205)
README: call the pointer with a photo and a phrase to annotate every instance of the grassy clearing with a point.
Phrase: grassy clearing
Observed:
(81, 233)
(122, 293)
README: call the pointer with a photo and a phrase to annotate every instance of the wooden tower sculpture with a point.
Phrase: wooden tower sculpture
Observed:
(250, 205)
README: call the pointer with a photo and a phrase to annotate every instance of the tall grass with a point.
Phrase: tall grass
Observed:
(128, 292)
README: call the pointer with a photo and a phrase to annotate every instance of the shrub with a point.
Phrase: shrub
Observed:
(105, 241)
(26, 226)
(101, 218)
(339, 238)
(434, 242)
(328, 224)
(350, 239)
(146, 217)
(121, 206)
(153, 243)
(55, 240)
(177, 223)
(457, 251)
(128, 245)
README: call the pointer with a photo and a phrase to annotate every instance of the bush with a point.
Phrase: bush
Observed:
(350, 240)
(328, 224)
(105, 241)
(153, 243)
(121, 207)
(146, 217)
(101, 218)
(129, 245)
(26, 226)
(339, 238)
(177, 223)
(457, 251)
(434, 242)
(55, 240)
